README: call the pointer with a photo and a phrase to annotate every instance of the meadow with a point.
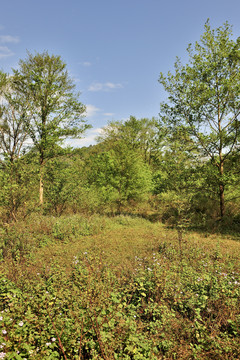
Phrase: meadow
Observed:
(95, 287)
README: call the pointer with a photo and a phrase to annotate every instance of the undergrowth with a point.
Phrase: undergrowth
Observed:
(119, 288)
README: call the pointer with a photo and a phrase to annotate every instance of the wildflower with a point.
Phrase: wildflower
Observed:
(48, 344)
(53, 339)
(4, 332)
(21, 323)
(223, 274)
(1, 318)
(2, 355)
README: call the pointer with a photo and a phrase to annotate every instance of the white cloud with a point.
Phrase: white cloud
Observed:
(104, 86)
(8, 39)
(5, 52)
(108, 114)
(95, 87)
(110, 85)
(91, 110)
(86, 63)
(89, 139)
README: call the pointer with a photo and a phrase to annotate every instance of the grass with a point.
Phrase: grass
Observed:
(117, 288)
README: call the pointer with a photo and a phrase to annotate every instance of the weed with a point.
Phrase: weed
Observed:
(100, 288)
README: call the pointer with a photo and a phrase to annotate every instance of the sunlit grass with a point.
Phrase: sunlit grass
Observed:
(118, 288)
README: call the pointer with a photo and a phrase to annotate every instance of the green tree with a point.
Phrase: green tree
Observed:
(54, 109)
(17, 184)
(174, 168)
(120, 174)
(204, 97)
(138, 134)
(62, 183)
(13, 111)
(16, 174)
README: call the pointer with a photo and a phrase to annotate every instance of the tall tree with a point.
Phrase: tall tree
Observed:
(54, 109)
(13, 111)
(204, 97)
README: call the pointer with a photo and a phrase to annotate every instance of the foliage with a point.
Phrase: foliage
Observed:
(54, 111)
(124, 293)
(17, 184)
(13, 133)
(141, 135)
(120, 175)
(204, 98)
(62, 183)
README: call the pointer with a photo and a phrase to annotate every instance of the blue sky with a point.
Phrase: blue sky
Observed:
(114, 49)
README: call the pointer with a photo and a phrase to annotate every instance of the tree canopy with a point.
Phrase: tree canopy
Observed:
(13, 112)
(54, 109)
(204, 97)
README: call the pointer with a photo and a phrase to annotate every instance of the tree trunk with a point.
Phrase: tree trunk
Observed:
(221, 191)
(41, 182)
(221, 196)
(41, 190)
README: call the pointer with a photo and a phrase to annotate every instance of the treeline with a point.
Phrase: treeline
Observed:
(182, 166)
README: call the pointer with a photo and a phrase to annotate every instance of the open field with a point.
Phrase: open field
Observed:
(117, 288)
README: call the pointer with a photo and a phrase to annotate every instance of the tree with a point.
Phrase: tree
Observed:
(120, 175)
(13, 133)
(62, 183)
(17, 184)
(204, 97)
(174, 168)
(138, 134)
(54, 110)
(15, 175)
